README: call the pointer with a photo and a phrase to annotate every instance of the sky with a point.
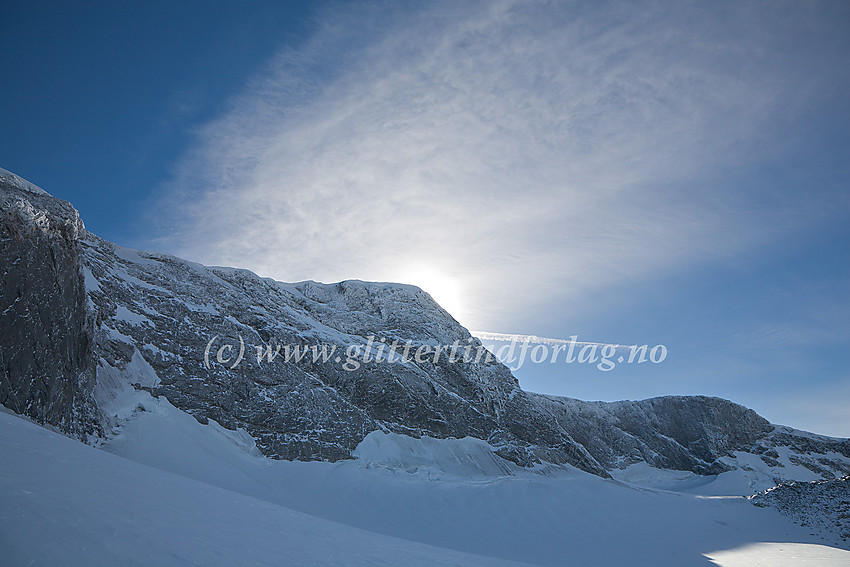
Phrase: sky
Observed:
(656, 173)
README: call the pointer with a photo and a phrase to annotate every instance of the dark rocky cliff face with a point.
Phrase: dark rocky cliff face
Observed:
(45, 333)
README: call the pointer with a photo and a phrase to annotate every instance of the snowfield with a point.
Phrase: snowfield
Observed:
(64, 503)
(176, 492)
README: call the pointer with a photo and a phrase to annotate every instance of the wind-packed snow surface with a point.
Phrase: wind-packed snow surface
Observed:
(64, 503)
(176, 492)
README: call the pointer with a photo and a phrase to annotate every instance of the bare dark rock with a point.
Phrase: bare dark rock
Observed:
(46, 369)
(823, 506)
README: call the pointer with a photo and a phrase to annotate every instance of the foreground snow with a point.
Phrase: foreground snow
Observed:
(780, 554)
(66, 503)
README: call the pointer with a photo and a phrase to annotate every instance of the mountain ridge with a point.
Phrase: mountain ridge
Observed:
(143, 320)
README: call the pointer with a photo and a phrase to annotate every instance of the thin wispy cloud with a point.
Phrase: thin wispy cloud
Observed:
(535, 340)
(531, 151)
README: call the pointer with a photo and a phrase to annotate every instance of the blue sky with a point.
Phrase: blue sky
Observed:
(668, 173)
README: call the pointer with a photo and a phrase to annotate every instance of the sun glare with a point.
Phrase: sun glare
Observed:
(446, 290)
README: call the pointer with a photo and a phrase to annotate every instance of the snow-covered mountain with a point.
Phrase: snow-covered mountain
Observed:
(168, 310)
(117, 347)
(96, 307)
(699, 434)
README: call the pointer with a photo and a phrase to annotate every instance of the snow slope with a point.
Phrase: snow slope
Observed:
(64, 503)
(453, 494)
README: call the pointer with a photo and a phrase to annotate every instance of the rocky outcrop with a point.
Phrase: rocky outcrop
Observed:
(690, 433)
(823, 506)
(46, 369)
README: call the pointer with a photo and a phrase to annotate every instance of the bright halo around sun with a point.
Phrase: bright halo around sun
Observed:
(446, 290)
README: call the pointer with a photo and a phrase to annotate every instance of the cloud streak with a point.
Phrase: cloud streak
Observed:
(535, 340)
(535, 152)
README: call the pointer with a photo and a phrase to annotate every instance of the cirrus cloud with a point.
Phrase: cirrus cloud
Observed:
(533, 151)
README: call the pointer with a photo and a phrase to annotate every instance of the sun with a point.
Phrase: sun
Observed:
(445, 289)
